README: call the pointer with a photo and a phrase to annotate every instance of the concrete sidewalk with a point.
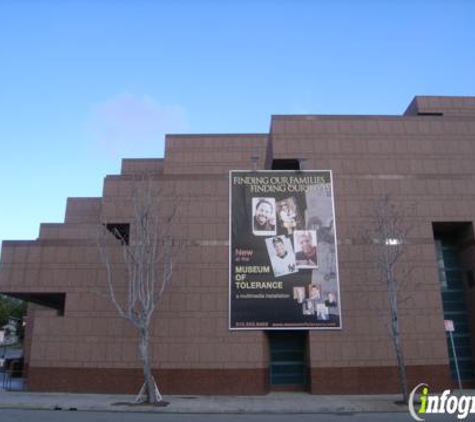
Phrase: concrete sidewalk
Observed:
(270, 403)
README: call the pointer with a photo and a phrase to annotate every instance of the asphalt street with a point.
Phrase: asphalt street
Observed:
(74, 416)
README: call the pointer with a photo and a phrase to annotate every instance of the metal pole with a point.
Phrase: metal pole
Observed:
(456, 362)
(2, 367)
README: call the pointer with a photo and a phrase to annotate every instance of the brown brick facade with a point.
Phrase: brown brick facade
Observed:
(423, 158)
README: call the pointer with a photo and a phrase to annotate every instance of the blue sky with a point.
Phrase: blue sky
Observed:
(85, 83)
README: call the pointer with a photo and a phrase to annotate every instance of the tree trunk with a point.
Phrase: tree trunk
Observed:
(150, 389)
(400, 358)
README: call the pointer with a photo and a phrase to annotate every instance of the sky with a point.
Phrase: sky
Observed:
(86, 83)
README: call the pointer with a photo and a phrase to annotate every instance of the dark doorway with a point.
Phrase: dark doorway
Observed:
(288, 360)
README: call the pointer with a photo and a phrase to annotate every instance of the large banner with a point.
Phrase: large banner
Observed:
(283, 258)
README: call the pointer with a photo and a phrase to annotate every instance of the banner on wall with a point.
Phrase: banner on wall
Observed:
(283, 257)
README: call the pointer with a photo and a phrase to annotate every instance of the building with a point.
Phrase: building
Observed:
(9, 332)
(75, 340)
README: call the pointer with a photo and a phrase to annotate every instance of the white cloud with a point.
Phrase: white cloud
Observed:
(130, 125)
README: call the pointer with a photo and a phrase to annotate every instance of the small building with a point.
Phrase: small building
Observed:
(8, 333)
(75, 340)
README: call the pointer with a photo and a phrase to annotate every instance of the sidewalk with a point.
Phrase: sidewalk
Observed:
(270, 403)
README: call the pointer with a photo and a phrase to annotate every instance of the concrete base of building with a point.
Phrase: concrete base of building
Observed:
(349, 380)
(253, 381)
(377, 379)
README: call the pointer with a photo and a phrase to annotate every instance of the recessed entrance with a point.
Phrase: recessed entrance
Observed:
(288, 361)
(455, 246)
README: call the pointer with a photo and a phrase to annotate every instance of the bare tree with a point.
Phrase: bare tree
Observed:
(146, 252)
(388, 235)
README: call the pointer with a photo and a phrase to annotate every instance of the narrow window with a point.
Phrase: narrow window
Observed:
(120, 231)
(286, 164)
